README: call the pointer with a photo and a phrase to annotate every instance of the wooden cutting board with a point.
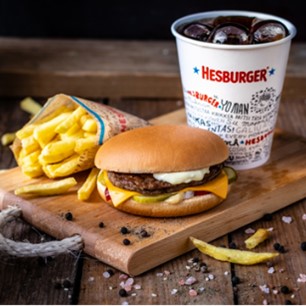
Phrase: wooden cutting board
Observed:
(279, 183)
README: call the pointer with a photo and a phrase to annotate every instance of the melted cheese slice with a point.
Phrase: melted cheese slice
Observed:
(218, 186)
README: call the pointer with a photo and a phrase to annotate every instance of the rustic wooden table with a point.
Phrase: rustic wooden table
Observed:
(141, 78)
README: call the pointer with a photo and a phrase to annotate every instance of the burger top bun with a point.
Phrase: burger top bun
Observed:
(161, 148)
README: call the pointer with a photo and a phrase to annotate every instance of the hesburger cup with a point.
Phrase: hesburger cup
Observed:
(234, 90)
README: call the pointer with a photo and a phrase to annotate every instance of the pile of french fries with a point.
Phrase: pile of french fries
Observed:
(54, 145)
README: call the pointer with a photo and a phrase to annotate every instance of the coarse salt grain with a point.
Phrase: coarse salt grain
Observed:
(181, 282)
(190, 280)
(302, 278)
(202, 289)
(249, 231)
(91, 278)
(265, 302)
(264, 288)
(153, 294)
(137, 287)
(166, 272)
(226, 273)
(304, 217)
(211, 276)
(270, 229)
(192, 292)
(159, 274)
(271, 270)
(275, 291)
(123, 276)
(174, 291)
(106, 274)
(125, 303)
(129, 281)
(287, 219)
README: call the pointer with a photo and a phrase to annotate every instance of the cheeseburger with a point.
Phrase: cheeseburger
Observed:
(164, 171)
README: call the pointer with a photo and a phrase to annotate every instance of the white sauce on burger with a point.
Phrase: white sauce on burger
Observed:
(175, 178)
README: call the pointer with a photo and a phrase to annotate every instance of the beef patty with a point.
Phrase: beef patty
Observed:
(145, 183)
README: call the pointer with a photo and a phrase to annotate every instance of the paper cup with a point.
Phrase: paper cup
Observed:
(234, 90)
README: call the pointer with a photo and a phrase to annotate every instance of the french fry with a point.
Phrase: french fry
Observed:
(31, 158)
(71, 120)
(87, 188)
(47, 189)
(64, 168)
(232, 255)
(25, 132)
(45, 132)
(75, 128)
(57, 151)
(7, 139)
(79, 134)
(83, 144)
(90, 126)
(32, 170)
(259, 236)
(29, 145)
(31, 106)
(55, 113)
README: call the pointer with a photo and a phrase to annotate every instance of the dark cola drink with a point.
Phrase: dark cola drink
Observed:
(235, 30)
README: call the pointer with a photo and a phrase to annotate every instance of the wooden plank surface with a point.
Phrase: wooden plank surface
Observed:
(259, 191)
(107, 68)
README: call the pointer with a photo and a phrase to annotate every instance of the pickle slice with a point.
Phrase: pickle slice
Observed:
(151, 199)
(231, 174)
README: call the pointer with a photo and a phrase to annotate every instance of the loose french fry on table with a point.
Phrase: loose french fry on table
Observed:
(89, 185)
(259, 236)
(48, 189)
(232, 255)
(31, 106)
(7, 139)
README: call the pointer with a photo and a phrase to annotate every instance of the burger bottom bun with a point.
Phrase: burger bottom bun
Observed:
(187, 207)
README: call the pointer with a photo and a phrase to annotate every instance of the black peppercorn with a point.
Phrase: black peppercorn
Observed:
(66, 283)
(68, 216)
(144, 233)
(124, 230)
(122, 292)
(110, 272)
(195, 259)
(303, 245)
(235, 280)
(288, 302)
(285, 289)
(278, 247)
(126, 242)
(101, 224)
